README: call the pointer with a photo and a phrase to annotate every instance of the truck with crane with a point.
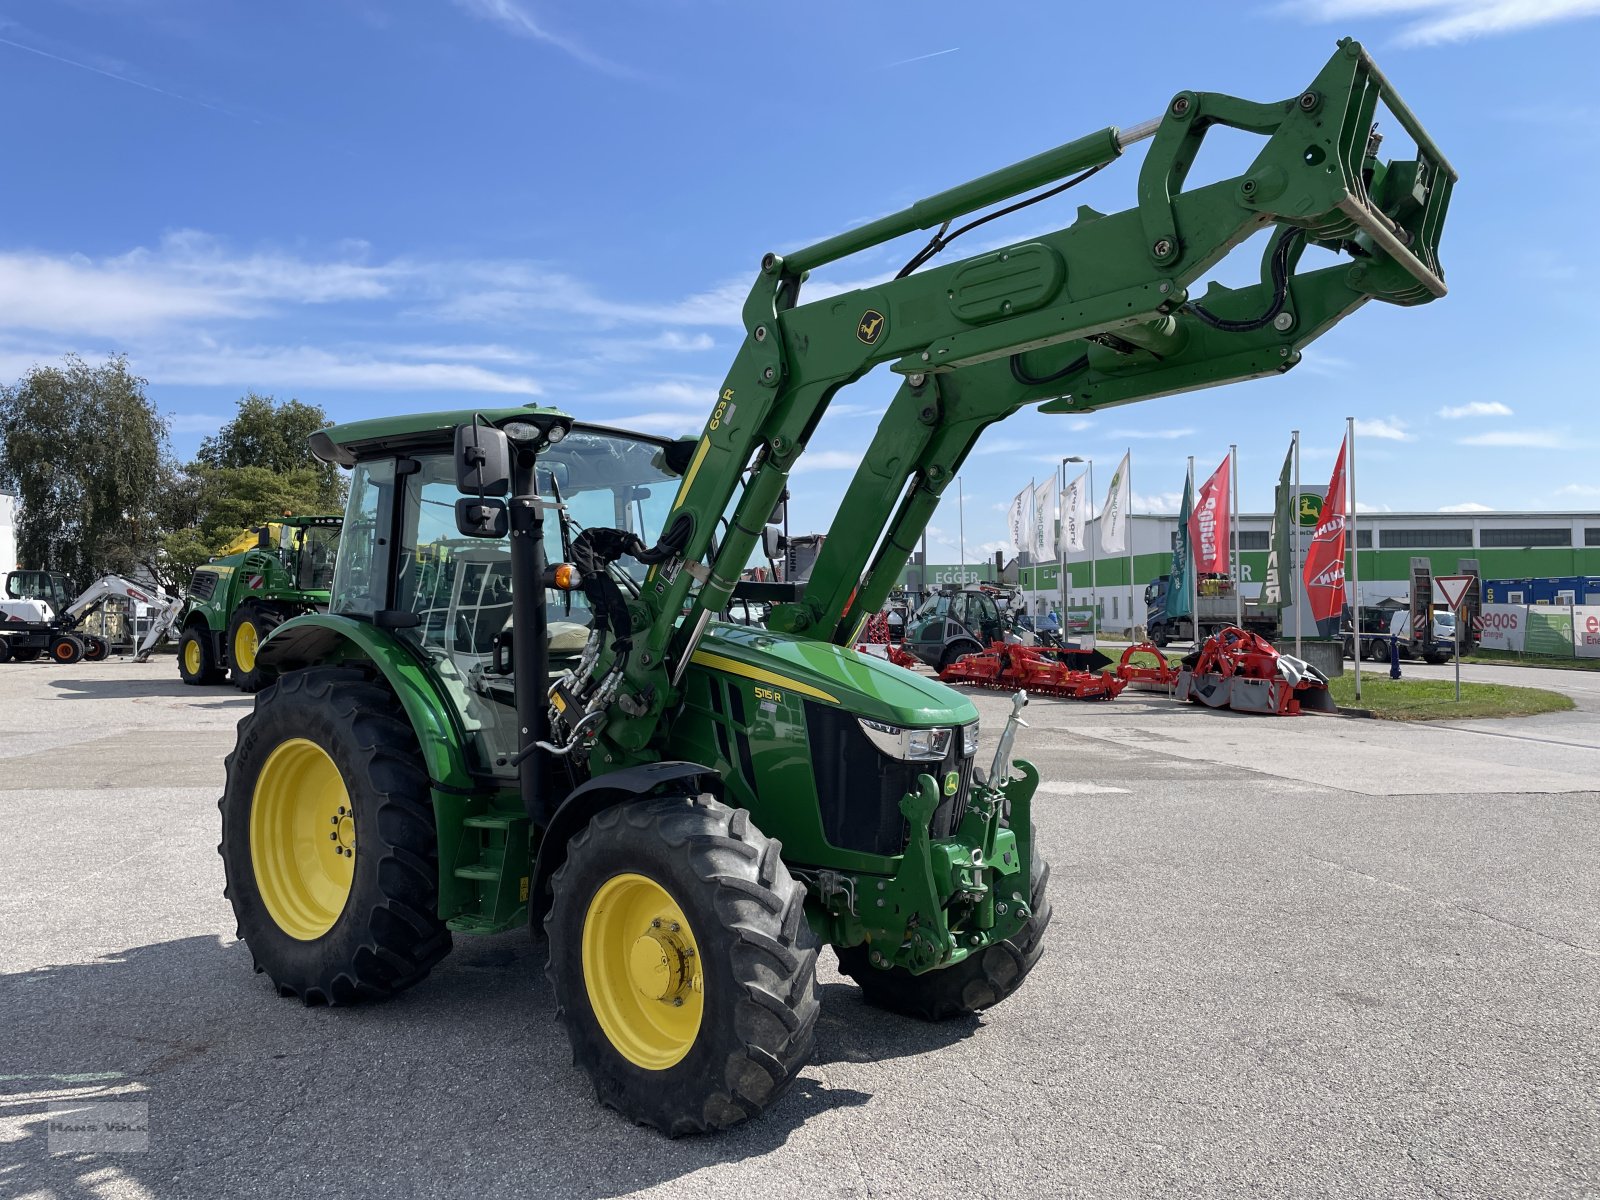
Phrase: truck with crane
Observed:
(521, 709)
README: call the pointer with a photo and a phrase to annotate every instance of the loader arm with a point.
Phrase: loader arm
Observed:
(1089, 316)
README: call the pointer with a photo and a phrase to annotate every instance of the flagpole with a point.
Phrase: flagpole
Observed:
(1355, 552)
(1061, 548)
(1130, 543)
(1233, 535)
(1294, 541)
(1094, 558)
(1194, 575)
(961, 525)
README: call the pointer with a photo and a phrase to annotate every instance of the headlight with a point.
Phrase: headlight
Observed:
(969, 740)
(914, 745)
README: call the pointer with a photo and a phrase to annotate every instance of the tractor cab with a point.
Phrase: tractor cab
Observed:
(48, 586)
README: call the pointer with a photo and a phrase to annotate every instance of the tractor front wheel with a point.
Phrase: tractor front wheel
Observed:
(683, 966)
(67, 648)
(328, 841)
(196, 661)
(975, 983)
(246, 632)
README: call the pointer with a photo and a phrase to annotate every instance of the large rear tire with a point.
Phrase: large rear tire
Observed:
(246, 631)
(328, 841)
(973, 984)
(683, 966)
(197, 662)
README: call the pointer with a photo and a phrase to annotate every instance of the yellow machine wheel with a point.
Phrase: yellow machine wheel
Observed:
(683, 965)
(245, 640)
(641, 968)
(196, 661)
(247, 629)
(191, 656)
(302, 839)
(324, 762)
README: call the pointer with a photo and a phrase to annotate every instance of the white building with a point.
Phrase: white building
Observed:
(8, 533)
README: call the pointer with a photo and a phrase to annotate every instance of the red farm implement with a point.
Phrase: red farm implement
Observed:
(1241, 670)
(1038, 670)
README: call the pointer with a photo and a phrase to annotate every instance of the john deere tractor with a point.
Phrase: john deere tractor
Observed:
(522, 708)
(261, 579)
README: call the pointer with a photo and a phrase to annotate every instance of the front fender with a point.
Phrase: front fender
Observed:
(323, 639)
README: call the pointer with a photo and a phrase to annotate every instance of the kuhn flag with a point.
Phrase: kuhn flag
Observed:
(1074, 515)
(1324, 570)
(1044, 521)
(1114, 516)
(1019, 520)
(1208, 524)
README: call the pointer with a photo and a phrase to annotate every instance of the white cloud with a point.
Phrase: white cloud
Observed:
(1363, 507)
(1140, 434)
(1162, 502)
(1579, 489)
(828, 460)
(695, 394)
(1390, 430)
(1477, 408)
(516, 19)
(1433, 21)
(272, 367)
(671, 423)
(1471, 506)
(1528, 439)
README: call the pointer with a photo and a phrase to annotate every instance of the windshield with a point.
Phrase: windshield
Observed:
(933, 606)
(1445, 619)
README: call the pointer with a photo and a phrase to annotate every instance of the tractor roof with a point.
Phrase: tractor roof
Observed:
(343, 444)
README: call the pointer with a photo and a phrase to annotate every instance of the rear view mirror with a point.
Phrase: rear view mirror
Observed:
(483, 463)
(482, 518)
(780, 514)
(773, 542)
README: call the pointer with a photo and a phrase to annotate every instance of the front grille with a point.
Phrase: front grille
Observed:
(859, 788)
(203, 585)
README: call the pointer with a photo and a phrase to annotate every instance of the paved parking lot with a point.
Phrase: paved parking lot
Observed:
(1290, 957)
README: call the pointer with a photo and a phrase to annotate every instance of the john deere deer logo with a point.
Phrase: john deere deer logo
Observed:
(870, 328)
(1310, 509)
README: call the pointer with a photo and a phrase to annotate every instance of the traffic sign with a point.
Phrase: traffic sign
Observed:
(1454, 588)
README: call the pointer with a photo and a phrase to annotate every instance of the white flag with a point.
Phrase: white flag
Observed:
(1019, 520)
(1044, 521)
(1074, 515)
(1114, 517)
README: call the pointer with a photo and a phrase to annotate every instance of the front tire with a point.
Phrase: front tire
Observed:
(683, 966)
(66, 649)
(328, 841)
(197, 662)
(95, 649)
(971, 985)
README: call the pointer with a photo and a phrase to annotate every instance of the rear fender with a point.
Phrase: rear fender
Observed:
(323, 639)
(599, 794)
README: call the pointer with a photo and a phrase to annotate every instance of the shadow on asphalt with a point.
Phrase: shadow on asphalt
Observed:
(464, 1084)
(215, 695)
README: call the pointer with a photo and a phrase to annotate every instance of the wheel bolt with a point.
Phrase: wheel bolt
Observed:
(674, 927)
(334, 836)
(656, 924)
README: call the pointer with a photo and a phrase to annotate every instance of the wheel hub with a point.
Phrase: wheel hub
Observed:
(658, 964)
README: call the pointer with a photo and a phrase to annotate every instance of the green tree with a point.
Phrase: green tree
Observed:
(85, 452)
(273, 434)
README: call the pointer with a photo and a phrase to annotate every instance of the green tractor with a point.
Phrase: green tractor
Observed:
(523, 708)
(261, 579)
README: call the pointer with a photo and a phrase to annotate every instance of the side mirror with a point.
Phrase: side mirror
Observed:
(780, 513)
(773, 542)
(483, 463)
(482, 518)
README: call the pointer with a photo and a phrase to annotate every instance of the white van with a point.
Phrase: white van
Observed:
(1444, 634)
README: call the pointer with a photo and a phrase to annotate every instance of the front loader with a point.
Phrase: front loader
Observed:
(522, 706)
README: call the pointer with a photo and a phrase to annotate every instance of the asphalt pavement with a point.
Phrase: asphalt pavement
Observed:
(1291, 957)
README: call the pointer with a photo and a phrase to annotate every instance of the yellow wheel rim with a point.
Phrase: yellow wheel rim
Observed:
(302, 839)
(245, 641)
(641, 968)
(191, 656)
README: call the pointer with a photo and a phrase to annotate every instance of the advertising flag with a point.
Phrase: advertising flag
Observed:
(1208, 524)
(1044, 521)
(1177, 604)
(1019, 520)
(1324, 569)
(1114, 516)
(1278, 549)
(1074, 515)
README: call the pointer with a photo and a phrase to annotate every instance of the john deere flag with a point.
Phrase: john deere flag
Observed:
(1182, 558)
(1074, 515)
(1279, 548)
(1114, 516)
(1044, 521)
(1324, 569)
(1019, 519)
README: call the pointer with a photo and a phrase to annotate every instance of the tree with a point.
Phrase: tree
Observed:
(272, 434)
(85, 452)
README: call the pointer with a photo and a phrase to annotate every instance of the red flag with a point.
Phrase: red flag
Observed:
(1208, 524)
(1324, 570)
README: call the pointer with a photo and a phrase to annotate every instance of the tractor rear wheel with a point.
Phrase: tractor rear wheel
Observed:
(196, 660)
(683, 966)
(248, 629)
(973, 984)
(66, 648)
(328, 841)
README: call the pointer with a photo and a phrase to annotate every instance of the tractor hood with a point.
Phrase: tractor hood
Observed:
(867, 686)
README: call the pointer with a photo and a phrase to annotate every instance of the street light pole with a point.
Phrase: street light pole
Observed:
(961, 525)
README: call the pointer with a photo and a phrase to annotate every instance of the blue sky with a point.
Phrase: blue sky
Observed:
(382, 207)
